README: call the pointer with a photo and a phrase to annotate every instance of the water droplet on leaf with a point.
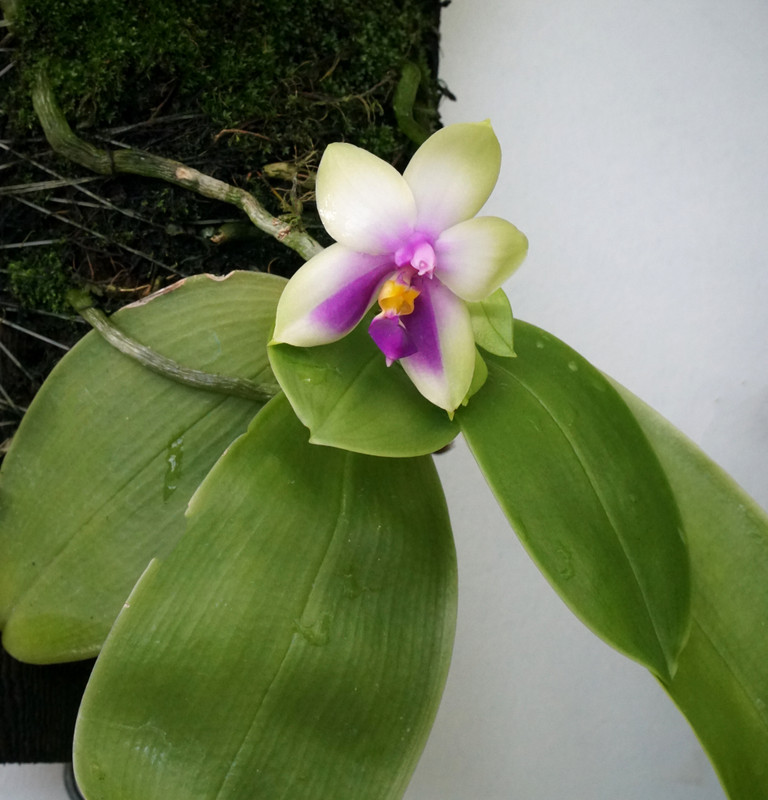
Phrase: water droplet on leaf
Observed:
(173, 465)
(564, 561)
(317, 632)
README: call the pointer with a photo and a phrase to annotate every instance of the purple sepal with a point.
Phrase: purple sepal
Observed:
(391, 338)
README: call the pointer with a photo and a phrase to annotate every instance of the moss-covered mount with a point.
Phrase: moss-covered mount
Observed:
(293, 73)
(248, 93)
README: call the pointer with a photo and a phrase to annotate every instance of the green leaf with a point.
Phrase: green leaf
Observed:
(403, 101)
(294, 644)
(492, 324)
(585, 493)
(108, 455)
(348, 398)
(721, 684)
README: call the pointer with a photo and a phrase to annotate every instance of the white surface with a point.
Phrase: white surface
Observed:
(32, 782)
(636, 161)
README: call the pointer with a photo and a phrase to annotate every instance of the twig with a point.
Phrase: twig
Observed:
(34, 334)
(222, 384)
(37, 243)
(65, 201)
(76, 184)
(98, 235)
(64, 141)
(16, 307)
(15, 361)
(240, 130)
(153, 121)
(40, 186)
(8, 398)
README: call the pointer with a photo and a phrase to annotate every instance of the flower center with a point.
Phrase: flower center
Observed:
(396, 297)
(418, 253)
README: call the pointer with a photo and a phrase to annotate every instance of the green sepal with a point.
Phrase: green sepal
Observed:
(493, 324)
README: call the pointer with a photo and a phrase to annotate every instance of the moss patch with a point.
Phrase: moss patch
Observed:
(38, 279)
(226, 86)
(294, 74)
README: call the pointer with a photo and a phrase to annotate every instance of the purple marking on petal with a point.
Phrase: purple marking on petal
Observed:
(343, 310)
(422, 328)
(391, 337)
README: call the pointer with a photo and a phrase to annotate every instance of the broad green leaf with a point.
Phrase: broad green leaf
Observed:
(294, 644)
(721, 684)
(493, 325)
(585, 493)
(348, 398)
(108, 455)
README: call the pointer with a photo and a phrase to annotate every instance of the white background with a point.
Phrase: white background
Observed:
(635, 143)
(636, 160)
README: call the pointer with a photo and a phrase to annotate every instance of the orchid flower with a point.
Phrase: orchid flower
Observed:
(412, 243)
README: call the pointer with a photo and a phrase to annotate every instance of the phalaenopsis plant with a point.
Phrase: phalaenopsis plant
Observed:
(227, 493)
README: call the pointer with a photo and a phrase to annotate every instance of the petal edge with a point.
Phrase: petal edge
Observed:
(441, 329)
(475, 257)
(328, 296)
(364, 202)
(452, 174)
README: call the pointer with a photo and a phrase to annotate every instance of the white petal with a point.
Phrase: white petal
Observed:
(452, 174)
(441, 328)
(364, 202)
(475, 257)
(328, 296)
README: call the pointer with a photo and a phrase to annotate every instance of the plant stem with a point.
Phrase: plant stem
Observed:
(67, 143)
(167, 367)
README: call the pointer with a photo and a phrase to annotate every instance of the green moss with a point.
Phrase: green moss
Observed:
(285, 77)
(38, 279)
(299, 73)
